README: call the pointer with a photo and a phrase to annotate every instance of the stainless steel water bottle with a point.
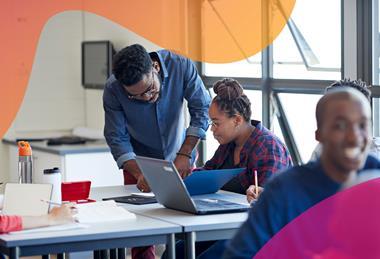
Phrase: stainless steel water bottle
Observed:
(25, 162)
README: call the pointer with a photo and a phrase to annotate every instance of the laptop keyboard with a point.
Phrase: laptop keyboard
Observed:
(208, 204)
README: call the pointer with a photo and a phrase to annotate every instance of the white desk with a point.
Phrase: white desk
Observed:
(195, 228)
(109, 235)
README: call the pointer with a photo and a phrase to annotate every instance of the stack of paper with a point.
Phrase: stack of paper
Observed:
(102, 211)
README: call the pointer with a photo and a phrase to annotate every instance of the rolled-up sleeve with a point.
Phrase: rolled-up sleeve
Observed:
(115, 130)
(10, 223)
(198, 100)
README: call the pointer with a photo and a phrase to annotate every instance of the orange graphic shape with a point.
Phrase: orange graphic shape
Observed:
(230, 31)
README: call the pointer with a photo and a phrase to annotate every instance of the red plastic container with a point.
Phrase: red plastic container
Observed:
(77, 192)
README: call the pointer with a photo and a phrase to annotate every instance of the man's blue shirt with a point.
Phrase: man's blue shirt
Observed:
(285, 197)
(157, 129)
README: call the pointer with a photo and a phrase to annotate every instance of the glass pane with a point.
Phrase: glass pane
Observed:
(244, 68)
(249, 67)
(300, 112)
(309, 47)
(255, 98)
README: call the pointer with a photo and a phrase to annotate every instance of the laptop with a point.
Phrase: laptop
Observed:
(170, 191)
(25, 199)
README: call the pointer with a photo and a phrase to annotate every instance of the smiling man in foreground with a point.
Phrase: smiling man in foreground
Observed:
(344, 129)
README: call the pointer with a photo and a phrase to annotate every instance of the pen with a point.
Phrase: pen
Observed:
(54, 203)
(256, 185)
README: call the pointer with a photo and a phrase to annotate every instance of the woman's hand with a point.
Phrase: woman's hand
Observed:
(251, 193)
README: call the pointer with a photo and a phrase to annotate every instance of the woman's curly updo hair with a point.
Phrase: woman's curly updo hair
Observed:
(231, 100)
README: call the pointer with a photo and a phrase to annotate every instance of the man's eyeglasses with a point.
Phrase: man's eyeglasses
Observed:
(149, 92)
(212, 123)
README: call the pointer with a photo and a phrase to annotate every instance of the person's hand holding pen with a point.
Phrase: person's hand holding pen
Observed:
(62, 214)
(58, 215)
(253, 192)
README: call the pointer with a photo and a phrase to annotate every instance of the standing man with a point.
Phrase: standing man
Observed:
(143, 102)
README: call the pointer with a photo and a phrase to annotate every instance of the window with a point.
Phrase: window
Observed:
(309, 47)
(249, 67)
(300, 112)
(244, 68)
(309, 50)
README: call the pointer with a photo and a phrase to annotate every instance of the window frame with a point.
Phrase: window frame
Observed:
(355, 35)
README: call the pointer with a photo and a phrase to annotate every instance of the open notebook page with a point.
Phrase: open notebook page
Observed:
(102, 211)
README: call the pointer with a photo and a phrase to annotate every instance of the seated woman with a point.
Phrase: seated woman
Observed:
(243, 142)
(57, 216)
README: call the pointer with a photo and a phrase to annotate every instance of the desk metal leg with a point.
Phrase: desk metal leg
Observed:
(170, 246)
(121, 253)
(104, 254)
(190, 245)
(100, 254)
(14, 253)
(97, 254)
(113, 254)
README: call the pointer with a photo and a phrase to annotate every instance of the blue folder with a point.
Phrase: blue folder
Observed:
(209, 181)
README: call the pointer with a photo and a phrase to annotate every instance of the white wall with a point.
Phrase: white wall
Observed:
(55, 99)
(98, 28)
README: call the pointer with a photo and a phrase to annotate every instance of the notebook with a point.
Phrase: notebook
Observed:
(170, 190)
(25, 199)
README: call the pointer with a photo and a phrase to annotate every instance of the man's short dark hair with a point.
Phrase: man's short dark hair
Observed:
(357, 84)
(131, 64)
